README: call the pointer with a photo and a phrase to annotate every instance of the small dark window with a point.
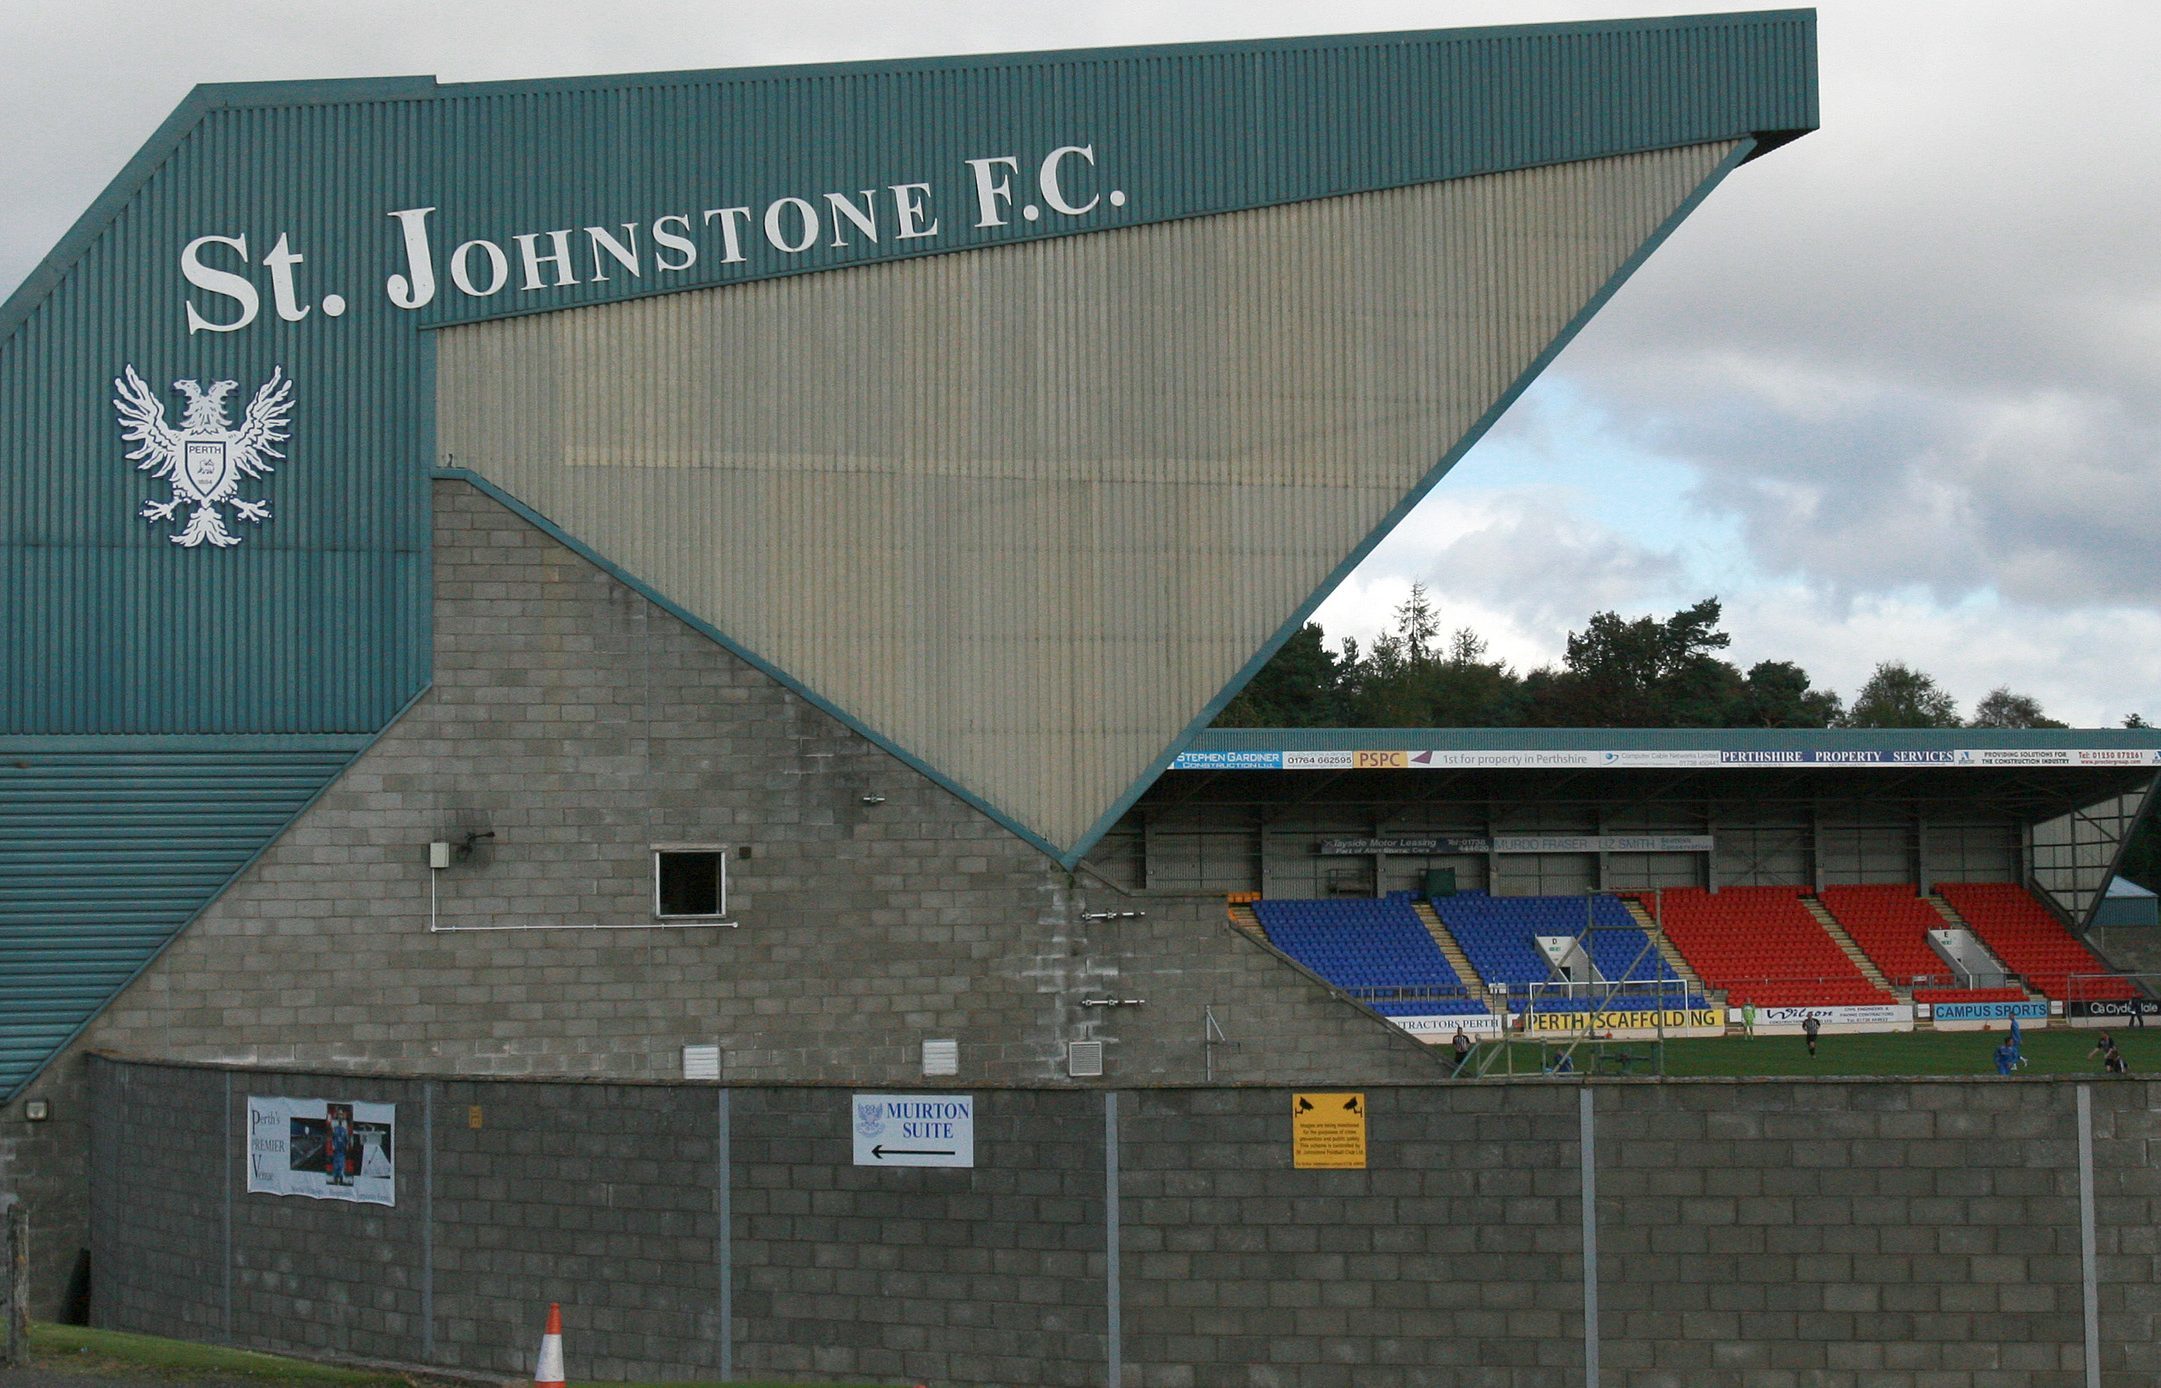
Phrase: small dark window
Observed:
(690, 882)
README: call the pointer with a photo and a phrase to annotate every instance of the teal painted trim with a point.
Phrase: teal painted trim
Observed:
(101, 212)
(1214, 708)
(177, 742)
(295, 741)
(167, 138)
(2091, 916)
(751, 658)
(318, 91)
(1379, 38)
(420, 601)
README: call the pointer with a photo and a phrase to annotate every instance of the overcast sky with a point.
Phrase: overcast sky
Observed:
(1893, 392)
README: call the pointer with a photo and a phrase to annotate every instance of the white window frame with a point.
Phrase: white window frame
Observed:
(720, 851)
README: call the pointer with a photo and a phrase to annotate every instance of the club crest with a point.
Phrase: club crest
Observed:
(205, 459)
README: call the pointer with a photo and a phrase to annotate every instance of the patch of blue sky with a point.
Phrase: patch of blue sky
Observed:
(1555, 444)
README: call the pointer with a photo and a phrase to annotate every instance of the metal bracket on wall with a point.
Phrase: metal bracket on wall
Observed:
(1112, 1002)
(1212, 1037)
(1113, 915)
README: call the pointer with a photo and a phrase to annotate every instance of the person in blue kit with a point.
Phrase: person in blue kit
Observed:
(340, 1142)
(2017, 1044)
(2006, 1058)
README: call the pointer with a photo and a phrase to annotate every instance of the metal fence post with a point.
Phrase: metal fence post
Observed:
(18, 1283)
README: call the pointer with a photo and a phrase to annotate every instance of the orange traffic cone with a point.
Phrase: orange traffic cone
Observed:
(548, 1373)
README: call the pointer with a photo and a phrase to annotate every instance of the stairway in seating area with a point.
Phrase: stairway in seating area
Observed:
(1852, 951)
(1451, 951)
(1641, 914)
(1240, 905)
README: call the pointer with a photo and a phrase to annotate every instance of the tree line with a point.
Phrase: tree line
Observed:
(1618, 672)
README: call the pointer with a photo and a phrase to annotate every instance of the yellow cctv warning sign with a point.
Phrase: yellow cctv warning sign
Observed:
(1328, 1132)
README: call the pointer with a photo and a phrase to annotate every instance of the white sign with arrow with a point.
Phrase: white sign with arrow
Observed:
(914, 1129)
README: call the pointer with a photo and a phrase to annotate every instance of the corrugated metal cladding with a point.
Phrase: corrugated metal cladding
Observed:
(1170, 133)
(1026, 512)
(109, 845)
(317, 620)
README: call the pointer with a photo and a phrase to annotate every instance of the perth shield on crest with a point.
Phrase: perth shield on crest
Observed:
(205, 458)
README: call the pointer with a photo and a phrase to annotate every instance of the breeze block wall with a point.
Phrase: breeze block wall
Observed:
(1747, 1233)
(580, 724)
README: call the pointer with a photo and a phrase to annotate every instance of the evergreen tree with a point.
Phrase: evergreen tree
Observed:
(1643, 673)
(2000, 708)
(1297, 688)
(1898, 696)
(1777, 695)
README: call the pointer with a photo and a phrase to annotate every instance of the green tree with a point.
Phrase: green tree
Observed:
(2000, 708)
(1642, 673)
(1898, 696)
(1297, 688)
(1777, 695)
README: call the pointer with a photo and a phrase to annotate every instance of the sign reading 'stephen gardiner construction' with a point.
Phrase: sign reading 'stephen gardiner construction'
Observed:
(329, 1149)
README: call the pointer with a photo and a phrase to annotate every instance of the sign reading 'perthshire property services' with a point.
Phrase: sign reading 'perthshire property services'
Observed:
(914, 1129)
(329, 1149)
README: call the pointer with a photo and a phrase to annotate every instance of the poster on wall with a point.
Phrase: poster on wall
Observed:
(330, 1149)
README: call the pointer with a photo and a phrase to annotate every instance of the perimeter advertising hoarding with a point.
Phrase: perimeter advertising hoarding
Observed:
(1871, 1017)
(1674, 1021)
(2135, 1012)
(1414, 759)
(1971, 1016)
(1439, 1030)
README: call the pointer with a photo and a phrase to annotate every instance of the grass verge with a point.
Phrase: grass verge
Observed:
(76, 1348)
(2054, 1051)
(115, 1354)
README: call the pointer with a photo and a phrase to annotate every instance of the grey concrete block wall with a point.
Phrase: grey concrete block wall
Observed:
(160, 1175)
(1827, 1233)
(989, 1275)
(602, 1197)
(2127, 1262)
(1455, 1258)
(581, 725)
(1860, 1233)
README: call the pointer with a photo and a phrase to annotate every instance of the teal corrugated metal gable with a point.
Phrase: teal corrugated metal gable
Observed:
(578, 192)
(1177, 132)
(315, 621)
(109, 846)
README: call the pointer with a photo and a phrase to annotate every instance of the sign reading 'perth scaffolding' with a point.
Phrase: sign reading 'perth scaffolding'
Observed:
(330, 1149)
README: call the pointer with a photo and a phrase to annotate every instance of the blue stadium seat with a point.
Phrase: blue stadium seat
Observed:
(1376, 951)
(1500, 937)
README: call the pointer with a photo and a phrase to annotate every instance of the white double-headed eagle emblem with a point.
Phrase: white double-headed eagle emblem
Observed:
(205, 458)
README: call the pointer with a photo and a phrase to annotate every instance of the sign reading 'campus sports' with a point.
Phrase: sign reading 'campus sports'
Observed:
(1383, 759)
(330, 1149)
(642, 249)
